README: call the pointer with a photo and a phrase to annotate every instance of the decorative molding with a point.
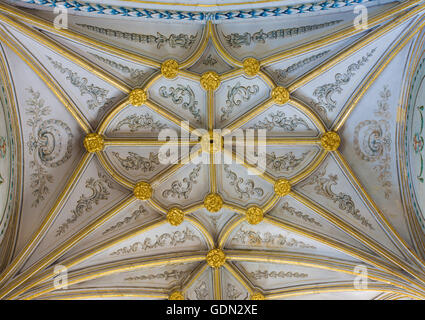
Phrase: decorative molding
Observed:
(177, 96)
(247, 190)
(183, 189)
(235, 96)
(49, 144)
(280, 120)
(133, 217)
(137, 162)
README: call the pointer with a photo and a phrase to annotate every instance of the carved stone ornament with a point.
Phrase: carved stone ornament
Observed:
(282, 187)
(137, 97)
(251, 66)
(216, 258)
(330, 141)
(170, 68)
(93, 142)
(143, 191)
(280, 95)
(213, 202)
(254, 215)
(175, 216)
(210, 80)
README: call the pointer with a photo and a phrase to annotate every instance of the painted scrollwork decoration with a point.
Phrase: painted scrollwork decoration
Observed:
(182, 189)
(287, 209)
(418, 144)
(135, 122)
(284, 163)
(174, 275)
(244, 189)
(178, 95)
(280, 120)
(265, 274)
(134, 161)
(141, 211)
(49, 144)
(235, 96)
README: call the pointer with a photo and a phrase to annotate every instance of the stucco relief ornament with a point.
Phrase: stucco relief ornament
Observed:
(257, 296)
(137, 97)
(282, 187)
(330, 141)
(251, 66)
(216, 258)
(418, 144)
(175, 216)
(280, 95)
(170, 68)
(176, 295)
(142, 190)
(94, 142)
(254, 215)
(2, 147)
(213, 202)
(210, 80)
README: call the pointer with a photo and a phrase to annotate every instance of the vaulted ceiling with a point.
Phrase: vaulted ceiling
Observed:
(83, 187)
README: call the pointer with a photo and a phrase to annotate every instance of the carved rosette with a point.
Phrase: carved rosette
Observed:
(175, 216)
(330, 141)
(257, 296)
(137, 97)
(143, 191)
(170, 68)
(280, 95)
(251, 66)
(210, 80)
(212, 143)
(176, 295)
(282, 187)
(94, 142)
(216, 258)
(254, 215)
(213, 202)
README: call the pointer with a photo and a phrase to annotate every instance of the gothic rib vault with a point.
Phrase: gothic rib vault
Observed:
(82, 185)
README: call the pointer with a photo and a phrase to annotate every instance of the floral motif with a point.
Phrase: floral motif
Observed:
(216, 258)
(170, 68)
(166, 275)
(99, 191)
(133, 217)
(247, 190)
(292, 211)
(231, 292)
(140, 121)
(50, 144)
(175, 216)
(137, 162)
(284, 163)
(209, 61)
(280, 95)
(142, 190)
(254, 215)
(94, 142)
(213, 202)
(264, 274)
(183, 189)
(235, 96)
(201, 291)
(280, 120)
(330, 141)
(137, 97)
(98, 95)
(282, 187)
(251, 66)
(210, 80)
(178, 94)
(418, 144)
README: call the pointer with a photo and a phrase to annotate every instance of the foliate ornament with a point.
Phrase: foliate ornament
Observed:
(137, 97)
(330, 141)
(257, 296)
(216, 258)
(251, 66)
(280, 95)
(176, 295)
(175, 216)
(210, 80)
(282, 187)
(213, 202)
(254, 215)
(212, 143)
(170, 68)
(94, 142)
(143, 190)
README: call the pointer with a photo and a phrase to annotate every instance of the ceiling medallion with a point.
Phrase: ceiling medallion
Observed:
(143, 191)
(93, 142)
(280, 95)
(251, 66)
(170, 68)
(210, 80)
(257, 296)
(137, 97)
(176, 295)
(175, 216)
(212, 142)
(330, 141)
(213, 202)
(216, 258)
(254, 215)
(282, 187)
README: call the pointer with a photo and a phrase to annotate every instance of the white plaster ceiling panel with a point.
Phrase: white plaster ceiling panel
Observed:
(329, 186)
(134, 74)
(231, 288)
(91, 95)
(131, 219)
(329, 92)
(202, 288)
(241, 187)
(265, 236)
(94, 194)
(349, 294)
(370, 133)
(286, 71)
(189, 185)
(155, 40)
(181, 96)
(237, 96)
(284, 120)
(154, 241)
(270, 276)
(51, 145)
(247, 39)
(139, 122)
